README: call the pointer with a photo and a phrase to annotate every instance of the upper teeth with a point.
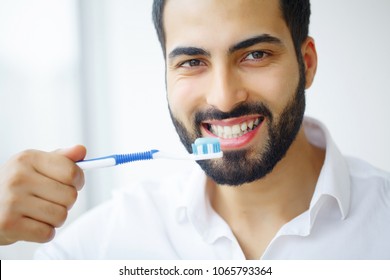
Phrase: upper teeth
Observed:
(236, 130)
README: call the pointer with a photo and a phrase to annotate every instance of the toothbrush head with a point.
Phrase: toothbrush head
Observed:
(206, 148)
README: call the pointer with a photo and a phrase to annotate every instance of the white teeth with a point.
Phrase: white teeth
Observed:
(244, 126)
(236, 130)
(220, 130)
(227, 131)
(250, 124)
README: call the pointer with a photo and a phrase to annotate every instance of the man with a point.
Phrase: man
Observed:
(236, 70)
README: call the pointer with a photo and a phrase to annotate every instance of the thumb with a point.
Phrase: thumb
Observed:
(74, 153)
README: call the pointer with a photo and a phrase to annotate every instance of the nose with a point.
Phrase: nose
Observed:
(226, 89)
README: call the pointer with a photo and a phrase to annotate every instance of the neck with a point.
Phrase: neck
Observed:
(275, 199)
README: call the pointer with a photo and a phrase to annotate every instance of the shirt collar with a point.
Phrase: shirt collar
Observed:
(334, 180)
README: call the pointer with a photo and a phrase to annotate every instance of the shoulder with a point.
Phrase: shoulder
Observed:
(369, 183)
(361, 170)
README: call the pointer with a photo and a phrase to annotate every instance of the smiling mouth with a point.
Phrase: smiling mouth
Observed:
(235, 130)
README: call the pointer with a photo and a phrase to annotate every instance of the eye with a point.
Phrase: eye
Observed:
(192, 63)
(256, 55)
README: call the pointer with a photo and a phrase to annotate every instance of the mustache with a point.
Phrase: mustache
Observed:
(242, 109)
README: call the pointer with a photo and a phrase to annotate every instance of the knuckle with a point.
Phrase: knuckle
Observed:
(73, 171)
(24, 157)
(45, 233)
(62, 215)
(73, 194)
(58, 214)
(74, 174)
(14, 180)
(7, 222)
(50, 210)
(15, 177)
(40, 232)
(82, 180)
(69, 195)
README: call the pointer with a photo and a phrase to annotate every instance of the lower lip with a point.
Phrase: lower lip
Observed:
(236, 143)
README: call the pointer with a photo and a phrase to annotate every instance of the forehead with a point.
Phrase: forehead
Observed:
(213, 23)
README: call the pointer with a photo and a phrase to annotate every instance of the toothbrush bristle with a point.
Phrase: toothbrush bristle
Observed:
(206, 145)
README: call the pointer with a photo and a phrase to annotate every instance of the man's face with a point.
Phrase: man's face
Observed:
(232, 73)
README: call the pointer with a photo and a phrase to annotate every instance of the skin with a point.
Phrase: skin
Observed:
(37, 189)
(223, 76)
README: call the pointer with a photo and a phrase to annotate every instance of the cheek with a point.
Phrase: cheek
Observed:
(275, 86)
(184, 97)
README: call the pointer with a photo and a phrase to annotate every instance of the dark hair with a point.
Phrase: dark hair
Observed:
(296, 13)
(157, 15)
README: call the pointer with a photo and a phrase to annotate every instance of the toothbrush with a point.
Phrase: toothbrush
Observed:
(203, 149)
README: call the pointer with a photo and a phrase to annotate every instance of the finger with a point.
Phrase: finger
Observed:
(22, 181)
(58, 167)
(44, 211)
(75, 153)
(33, 231)
(16, 228)
(51, 190)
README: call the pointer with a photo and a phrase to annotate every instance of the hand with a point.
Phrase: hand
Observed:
(36, 191)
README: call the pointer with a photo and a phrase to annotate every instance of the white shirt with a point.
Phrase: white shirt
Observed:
(349, 218)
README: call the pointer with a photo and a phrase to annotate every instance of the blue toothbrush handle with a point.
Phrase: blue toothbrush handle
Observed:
(115, 160)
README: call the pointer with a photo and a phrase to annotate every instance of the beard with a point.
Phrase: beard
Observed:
(247, 165)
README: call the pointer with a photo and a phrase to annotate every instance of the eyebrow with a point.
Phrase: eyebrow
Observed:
(193, 51)
(265, 38)
(190, 51)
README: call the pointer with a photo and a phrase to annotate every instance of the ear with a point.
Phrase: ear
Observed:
(309, 55)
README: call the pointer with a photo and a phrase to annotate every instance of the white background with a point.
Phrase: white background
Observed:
(92, 72)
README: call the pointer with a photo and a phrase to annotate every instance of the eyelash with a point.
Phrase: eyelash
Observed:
(264, 54)
(199, 62)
